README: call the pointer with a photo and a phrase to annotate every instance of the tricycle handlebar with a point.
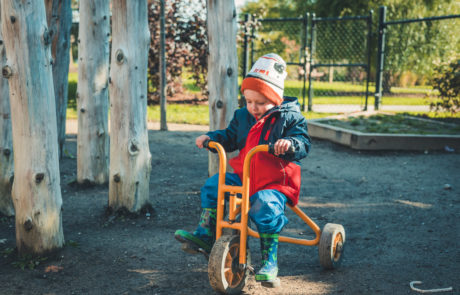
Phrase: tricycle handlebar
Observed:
(271, 147)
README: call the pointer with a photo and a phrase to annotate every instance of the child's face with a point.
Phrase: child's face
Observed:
(256, 103)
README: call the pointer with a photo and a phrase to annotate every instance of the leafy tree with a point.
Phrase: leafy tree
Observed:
(416, 47)
(446, 80)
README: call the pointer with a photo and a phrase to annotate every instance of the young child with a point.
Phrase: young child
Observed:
(275, 180)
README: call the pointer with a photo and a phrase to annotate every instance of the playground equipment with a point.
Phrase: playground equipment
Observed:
(229, 260)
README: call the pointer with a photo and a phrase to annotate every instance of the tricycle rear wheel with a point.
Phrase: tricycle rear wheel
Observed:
(225, 275)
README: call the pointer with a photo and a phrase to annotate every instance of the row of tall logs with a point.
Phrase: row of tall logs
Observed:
(31, 61)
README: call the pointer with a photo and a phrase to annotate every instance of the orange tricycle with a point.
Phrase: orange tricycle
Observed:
(229, 260)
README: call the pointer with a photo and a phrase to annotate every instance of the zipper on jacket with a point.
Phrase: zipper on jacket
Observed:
(284, 173)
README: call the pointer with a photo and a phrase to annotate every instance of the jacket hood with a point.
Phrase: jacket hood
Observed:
(289, 104)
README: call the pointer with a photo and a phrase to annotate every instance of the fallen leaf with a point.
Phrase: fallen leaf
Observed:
(53, 268)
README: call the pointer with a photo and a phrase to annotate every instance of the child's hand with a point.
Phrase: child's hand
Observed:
(200, 140)
(281, 146)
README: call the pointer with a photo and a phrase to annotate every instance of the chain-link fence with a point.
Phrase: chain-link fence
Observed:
(411, 52)
(335, 60)
(337, 67)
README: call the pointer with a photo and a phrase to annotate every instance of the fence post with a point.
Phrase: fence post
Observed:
(380, 56)
(312, 40)
(252, 40)
(246, 45)
(163, 123)
(304, 60)
(369, 40)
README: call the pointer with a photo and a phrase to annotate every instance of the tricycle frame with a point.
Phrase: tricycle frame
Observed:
(241, 205)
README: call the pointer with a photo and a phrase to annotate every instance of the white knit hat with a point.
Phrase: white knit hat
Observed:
(267, 77)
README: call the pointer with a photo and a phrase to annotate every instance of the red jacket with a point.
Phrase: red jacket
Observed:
(268, 171)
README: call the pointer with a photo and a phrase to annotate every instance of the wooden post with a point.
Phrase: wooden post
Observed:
(59, 15)
(129, 147)
(6, 141)
(36, 188)
(92, 92)
(222, 68)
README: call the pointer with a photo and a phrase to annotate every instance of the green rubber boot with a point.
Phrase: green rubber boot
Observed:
(203, 237)
(268, 272)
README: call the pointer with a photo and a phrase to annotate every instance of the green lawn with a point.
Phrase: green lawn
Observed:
(189, 114)
(181, 113)
(199, 114)
(72, 91)
(360, 100)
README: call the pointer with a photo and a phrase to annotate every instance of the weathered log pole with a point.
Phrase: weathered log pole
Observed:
(222, 68)
(130, 159)
(59, 16)
(6, 141)
(36, 188)
(92, 92)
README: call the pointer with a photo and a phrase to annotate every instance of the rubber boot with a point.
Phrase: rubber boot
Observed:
(268, 272)
(203, 237)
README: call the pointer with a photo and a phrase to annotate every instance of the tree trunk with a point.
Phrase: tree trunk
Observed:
(388, 79)
(36, 188)
(129, 147)
(6, 143)
(222, 69)
(92, 89)
(59, 15)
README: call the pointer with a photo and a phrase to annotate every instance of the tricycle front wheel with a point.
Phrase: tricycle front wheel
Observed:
(225, 275)
(331, 245)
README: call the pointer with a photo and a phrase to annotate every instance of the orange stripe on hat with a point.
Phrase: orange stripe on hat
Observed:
(261, 87)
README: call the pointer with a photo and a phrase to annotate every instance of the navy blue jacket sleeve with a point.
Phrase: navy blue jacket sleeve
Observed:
(297, 132)
(226, 137)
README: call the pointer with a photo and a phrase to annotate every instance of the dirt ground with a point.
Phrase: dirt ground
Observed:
(400, 210)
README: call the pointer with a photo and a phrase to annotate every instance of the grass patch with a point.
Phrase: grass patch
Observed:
(72, 91)
(72, 113)
(199, 114)
(181, 113)
(360, 100)
(314, 115)
(400, 123)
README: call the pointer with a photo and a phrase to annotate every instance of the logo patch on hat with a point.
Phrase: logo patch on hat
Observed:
(279, 67)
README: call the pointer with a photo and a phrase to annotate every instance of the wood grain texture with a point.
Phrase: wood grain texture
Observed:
(36, 188)
(222, 68)
(130, 159)
(6, 141)
(92, 92)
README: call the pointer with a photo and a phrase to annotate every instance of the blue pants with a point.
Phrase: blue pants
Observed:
(267, 206)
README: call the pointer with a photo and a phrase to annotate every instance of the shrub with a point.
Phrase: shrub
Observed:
(447, 81)
(186, 45)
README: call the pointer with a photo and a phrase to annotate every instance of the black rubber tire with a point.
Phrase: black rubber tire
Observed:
(331, 245)
(223, 267)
